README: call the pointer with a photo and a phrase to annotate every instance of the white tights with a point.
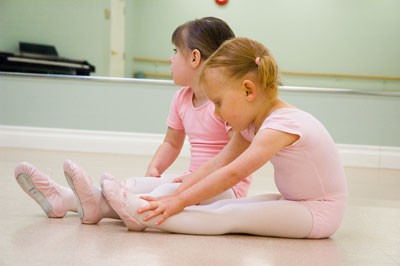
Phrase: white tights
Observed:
(156, 187)
(264, 215)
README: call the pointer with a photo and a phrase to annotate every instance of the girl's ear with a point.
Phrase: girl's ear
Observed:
(249, 89)
(195, 58)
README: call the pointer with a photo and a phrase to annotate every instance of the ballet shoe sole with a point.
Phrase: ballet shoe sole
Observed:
(26, 183)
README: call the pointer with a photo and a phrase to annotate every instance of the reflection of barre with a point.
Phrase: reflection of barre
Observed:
(295, 88)
(338, 91)
(328, 75)
(154, 75)
(340, 75)
(149, 60)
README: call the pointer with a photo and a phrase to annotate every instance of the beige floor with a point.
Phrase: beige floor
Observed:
(370, 234)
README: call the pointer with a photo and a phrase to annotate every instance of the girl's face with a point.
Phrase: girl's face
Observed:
(181, 69)
(229, 98)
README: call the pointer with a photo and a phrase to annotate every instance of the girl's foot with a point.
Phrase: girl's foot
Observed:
(118, 196)
(42, 189)
(129, 183)
(106, 177)
(88, 196)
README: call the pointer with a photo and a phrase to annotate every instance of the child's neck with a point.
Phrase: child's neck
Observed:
(199, 98)
(266, 110)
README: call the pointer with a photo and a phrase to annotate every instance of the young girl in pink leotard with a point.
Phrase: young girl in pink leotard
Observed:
(241, 79)
(191, 114)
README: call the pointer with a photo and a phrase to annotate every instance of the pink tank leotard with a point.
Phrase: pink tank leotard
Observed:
(309, 171)
(206, 132)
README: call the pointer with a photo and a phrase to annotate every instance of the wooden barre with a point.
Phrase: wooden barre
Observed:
(154, 75)
(307, 74)
(149, 60)
(340, 75)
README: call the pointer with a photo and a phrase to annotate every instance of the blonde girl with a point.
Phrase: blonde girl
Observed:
(241, 79)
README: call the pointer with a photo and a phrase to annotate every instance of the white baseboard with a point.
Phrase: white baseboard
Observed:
(369, 156)
(82, 140)
(146, 144)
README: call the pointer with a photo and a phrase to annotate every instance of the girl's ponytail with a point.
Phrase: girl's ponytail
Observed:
(240, 56)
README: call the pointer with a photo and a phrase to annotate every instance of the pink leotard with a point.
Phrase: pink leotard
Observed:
(309, 171)
(206, 132)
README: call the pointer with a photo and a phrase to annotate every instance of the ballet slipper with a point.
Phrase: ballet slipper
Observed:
(129, 183)
(105, 176)
(42, 189)
(116, 195)
(82, 185)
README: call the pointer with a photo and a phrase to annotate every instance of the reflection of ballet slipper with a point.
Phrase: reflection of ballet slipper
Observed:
(82, 185)
(42, 189)
(116, 195)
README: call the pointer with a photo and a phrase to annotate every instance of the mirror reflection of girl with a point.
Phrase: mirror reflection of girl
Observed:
(241, 79)
(191, 114)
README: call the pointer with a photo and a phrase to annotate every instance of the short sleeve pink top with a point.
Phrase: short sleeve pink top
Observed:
(309, 170)
(206, 132)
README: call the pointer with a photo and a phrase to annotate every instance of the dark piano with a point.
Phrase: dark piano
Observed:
(43, 59)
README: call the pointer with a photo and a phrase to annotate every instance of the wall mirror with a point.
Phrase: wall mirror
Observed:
(326, 44)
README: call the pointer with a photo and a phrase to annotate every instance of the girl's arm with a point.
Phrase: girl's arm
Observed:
(167, 152)
(238, 142)
(264, 146)
(233, 149)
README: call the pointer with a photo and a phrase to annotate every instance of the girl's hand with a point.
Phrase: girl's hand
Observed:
(153, 172)
(165, 208)
(182, 179)
(149, 198)
(178, 179)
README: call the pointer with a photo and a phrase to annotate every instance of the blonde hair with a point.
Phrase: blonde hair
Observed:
(238, 57)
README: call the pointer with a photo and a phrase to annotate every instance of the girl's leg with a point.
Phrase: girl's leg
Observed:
(142, 185)
(257, 198)
(267, 218)
(55, 200)
(160, 186)
(92, 206)
(168, 188)
(139, 185)
(264, 215)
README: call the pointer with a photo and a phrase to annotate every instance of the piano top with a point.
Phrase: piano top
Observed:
(28, 62)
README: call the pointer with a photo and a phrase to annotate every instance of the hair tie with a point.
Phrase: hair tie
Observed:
(258, 61)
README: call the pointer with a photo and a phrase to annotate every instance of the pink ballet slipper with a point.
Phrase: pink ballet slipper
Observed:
(115, 194)
(129, 183)
(105, 176)
(82, 185)
(41, 188)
